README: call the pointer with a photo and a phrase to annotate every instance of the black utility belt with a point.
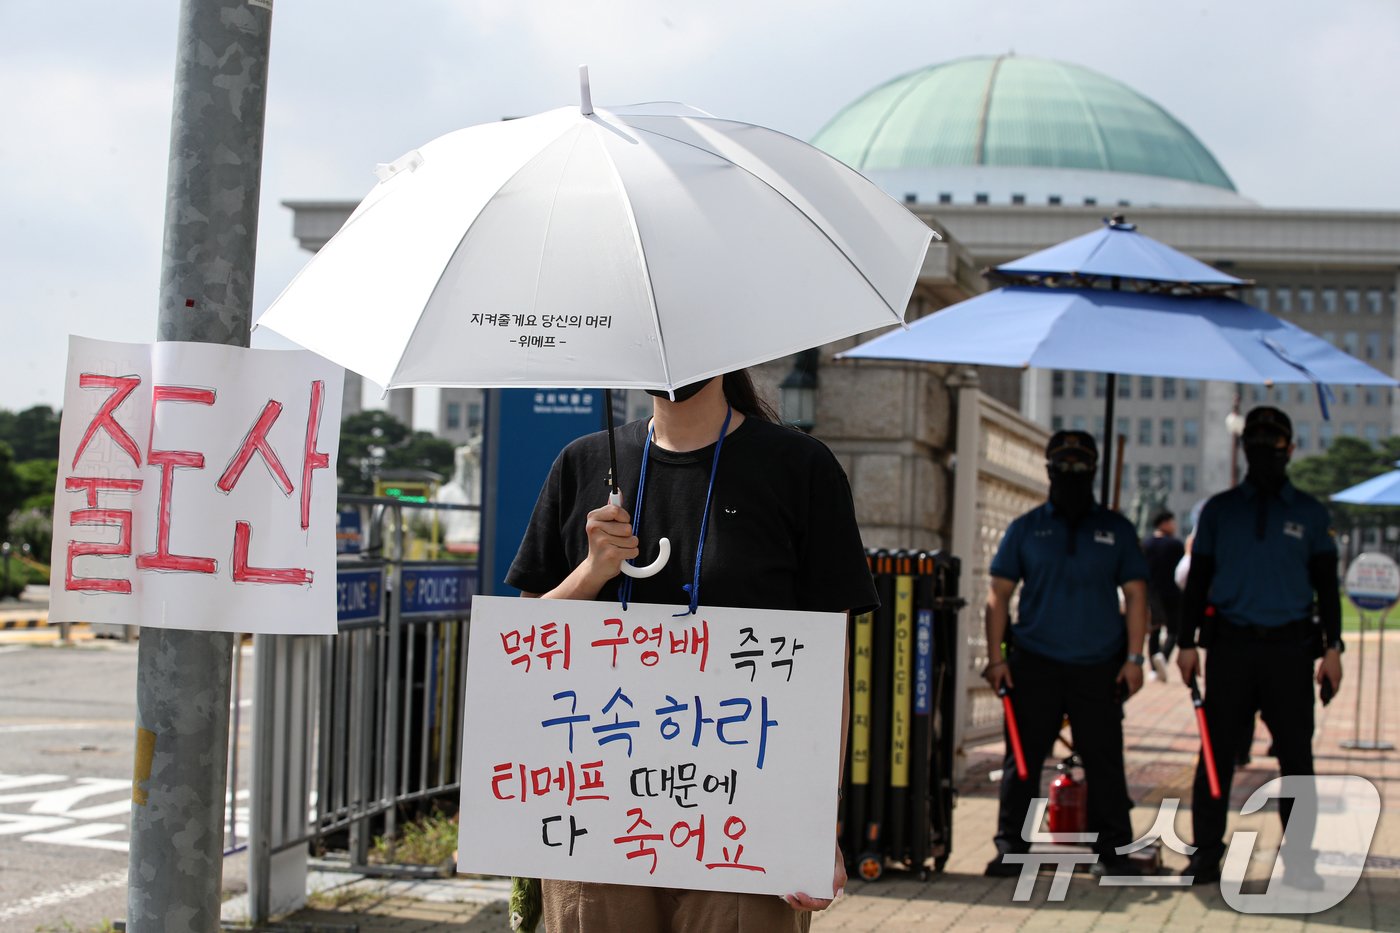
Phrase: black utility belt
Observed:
(1288, 632)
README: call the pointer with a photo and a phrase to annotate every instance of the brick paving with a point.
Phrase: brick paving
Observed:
(1160, 735)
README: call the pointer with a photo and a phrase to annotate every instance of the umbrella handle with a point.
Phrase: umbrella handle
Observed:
(663, 550)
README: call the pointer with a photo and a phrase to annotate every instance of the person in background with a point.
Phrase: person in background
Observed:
(1071, 652)
(1261, 554)
(1164, 551)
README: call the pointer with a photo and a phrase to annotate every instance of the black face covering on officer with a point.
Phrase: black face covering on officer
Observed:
(1268, 462)
(1070, 458)
(1071, 493)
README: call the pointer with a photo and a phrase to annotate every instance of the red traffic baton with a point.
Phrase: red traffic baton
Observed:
(1015, 734)
(1207, 752)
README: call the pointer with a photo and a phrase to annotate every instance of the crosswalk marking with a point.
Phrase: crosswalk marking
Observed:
(55, 809)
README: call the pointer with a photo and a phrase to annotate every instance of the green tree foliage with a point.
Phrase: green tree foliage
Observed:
(372, 441)
(34, 528)
(28, 464)
(12, 490)
(38, 477)
(1348, 461)
(32, 434)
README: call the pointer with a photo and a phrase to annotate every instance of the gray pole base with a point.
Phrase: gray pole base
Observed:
(175, 865)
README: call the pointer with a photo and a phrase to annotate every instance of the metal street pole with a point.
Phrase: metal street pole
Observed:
(206, 295)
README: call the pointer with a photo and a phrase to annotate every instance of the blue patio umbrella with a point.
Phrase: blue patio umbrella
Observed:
(1118, 251)
(1378, 490)
(1097, 330)
(1141, 333)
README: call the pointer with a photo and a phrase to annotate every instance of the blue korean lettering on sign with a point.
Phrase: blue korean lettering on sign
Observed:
(438, 590)
(359, 595)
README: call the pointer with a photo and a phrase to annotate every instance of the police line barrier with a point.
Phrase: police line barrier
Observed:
(897, 798)
(353, 731)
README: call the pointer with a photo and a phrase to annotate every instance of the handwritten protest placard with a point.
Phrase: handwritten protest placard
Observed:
(639, 747)
(196, 488)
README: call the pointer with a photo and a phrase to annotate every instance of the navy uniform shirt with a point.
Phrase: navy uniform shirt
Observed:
(1069, 603)
(1263, 582)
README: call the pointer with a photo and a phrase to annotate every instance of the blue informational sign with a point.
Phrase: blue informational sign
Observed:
(359, 594)
(438, 589)
(349, 534)
(923, 662)
(525, 430)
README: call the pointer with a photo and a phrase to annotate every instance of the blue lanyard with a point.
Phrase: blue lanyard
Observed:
(624, 590)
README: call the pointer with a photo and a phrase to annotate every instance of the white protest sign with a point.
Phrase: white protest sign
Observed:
(639, 747)
(1373, 581)
(196, 488)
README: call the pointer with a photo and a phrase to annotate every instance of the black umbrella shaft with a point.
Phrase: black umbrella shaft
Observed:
(612, 442)
(1106, 459)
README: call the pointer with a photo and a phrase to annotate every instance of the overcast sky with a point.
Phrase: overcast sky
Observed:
(1297, 100)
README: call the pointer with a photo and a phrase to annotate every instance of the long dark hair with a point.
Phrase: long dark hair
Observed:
(741, 395)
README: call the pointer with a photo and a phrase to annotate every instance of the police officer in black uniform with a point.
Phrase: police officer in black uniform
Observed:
(1263, 556)
(1072, 651)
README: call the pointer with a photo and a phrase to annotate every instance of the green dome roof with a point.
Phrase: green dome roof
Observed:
(1016, 112)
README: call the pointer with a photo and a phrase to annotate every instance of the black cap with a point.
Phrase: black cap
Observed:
(1072, 445)
(1267, 421)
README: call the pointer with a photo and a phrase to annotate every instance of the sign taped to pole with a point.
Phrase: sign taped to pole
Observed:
(639, 747)
(196, 488)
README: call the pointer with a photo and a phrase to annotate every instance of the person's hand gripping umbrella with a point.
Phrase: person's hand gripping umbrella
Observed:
(1207, 751)
(663, 547)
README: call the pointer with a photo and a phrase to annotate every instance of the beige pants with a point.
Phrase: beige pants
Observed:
(579, 907)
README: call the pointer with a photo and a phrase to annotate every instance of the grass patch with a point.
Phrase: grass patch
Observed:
(1351, 618)
(428, 840)
(346, 896)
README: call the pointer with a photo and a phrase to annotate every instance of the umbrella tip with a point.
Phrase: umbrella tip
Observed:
(585, 96)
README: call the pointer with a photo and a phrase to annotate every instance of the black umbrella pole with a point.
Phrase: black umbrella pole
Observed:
(612, 443)
(1105, 460)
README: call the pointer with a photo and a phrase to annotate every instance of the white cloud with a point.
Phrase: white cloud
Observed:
(1295, 100)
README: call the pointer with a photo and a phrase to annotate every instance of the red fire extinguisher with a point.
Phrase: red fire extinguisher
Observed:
(1068, 811)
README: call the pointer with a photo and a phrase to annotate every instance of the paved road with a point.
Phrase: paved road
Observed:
(66, 742)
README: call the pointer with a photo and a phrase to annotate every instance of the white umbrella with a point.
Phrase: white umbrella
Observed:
(647, 246)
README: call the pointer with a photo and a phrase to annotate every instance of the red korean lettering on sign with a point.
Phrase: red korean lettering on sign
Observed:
(97, 511)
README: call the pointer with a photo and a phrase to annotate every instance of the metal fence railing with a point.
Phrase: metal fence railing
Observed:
(349, 729)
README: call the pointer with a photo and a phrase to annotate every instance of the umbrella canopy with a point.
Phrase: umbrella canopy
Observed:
(1378, 490)
(647, 246)
(1098, 330)
(1118, 251)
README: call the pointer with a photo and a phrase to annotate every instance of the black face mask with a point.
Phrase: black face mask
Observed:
(683, 393)
(1268, 465)
(1072, 494)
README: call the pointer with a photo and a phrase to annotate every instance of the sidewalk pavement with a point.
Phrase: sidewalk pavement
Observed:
(1160, 735)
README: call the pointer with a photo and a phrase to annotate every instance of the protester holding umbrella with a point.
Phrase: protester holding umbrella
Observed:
(760, 516)
(1071, 650)
(1262, 552)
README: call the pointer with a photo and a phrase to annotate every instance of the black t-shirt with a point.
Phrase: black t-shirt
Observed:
(782, 532)
(1163, 554)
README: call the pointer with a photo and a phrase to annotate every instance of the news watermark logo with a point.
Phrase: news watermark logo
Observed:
(1330, 828)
